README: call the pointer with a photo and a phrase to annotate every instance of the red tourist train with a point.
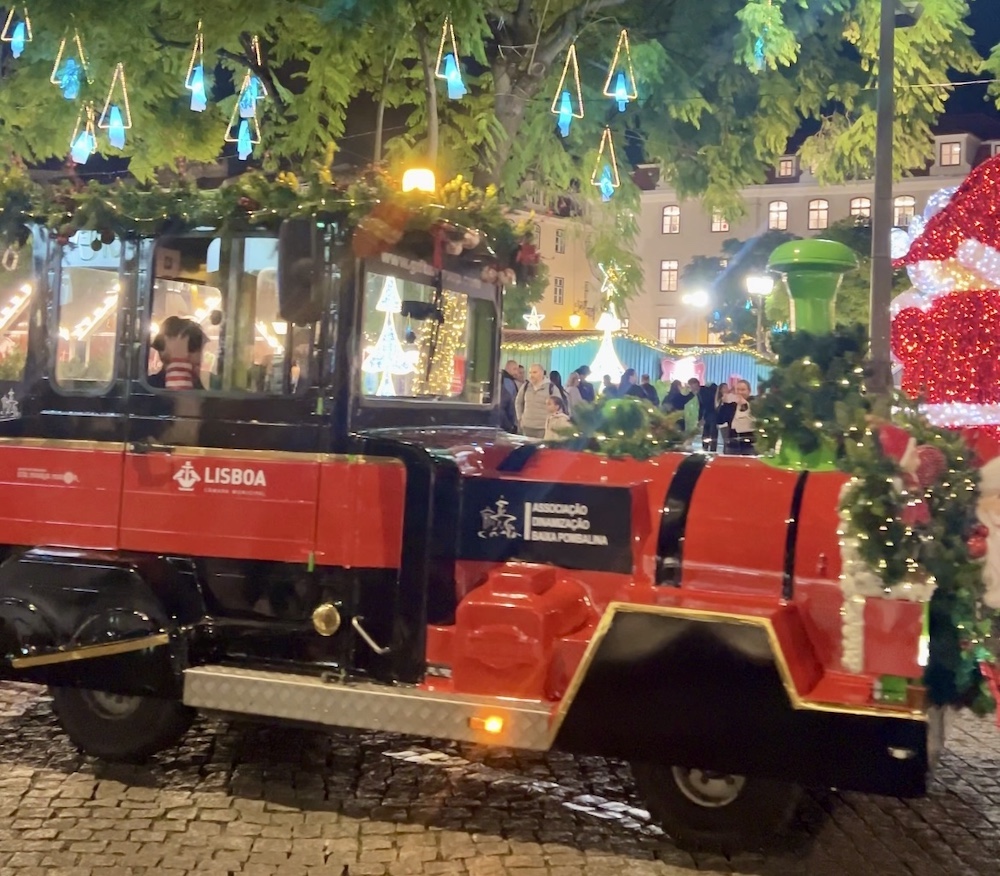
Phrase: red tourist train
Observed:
(328, 528)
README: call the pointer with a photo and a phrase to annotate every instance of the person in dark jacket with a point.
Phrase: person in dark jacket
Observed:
(648, 390)
(628, 385)
(674, 400)
(710, 426)
(585, 386)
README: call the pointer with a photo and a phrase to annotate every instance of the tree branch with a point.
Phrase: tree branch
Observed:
(558, 38)
(262, 71)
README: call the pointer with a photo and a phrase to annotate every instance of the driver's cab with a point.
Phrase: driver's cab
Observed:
(263, 402)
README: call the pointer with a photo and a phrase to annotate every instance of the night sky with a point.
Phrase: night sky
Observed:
(985, 21)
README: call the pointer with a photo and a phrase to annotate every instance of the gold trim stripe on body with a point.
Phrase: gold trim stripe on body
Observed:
(707, 616)
(64, 444)
(184, 450)
(89, 652)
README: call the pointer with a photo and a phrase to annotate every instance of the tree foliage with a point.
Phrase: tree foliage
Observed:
(723, 85)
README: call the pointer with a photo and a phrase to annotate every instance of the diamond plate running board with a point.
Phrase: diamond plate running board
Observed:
(368, 706)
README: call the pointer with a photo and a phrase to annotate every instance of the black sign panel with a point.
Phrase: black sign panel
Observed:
(569, 525)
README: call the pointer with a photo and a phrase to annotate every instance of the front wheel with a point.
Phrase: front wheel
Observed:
(715, 811)
(119, 728)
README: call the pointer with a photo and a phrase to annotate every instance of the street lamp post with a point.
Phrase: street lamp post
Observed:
(893, 13)
(759, 286)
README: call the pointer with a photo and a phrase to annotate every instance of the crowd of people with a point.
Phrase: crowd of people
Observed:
(540, 405)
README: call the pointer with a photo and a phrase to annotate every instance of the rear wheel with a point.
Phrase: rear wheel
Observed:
(715, 811)
(119, 728)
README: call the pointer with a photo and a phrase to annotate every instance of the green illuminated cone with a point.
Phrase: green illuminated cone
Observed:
(812, 270)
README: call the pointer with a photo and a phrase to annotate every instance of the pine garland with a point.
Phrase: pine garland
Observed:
(622, 428)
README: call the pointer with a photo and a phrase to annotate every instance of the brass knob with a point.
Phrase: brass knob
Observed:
(326, 619)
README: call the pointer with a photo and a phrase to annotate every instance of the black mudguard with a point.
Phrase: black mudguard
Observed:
(711, 694)
(98, 620)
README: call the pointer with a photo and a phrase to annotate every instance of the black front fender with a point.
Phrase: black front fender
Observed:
(707, 691)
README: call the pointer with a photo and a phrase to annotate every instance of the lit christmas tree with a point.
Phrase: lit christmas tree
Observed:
(387, 357)
(606, 361)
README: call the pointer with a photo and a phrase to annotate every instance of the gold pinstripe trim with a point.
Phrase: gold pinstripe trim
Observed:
(708, 616)
(88, 652)
(64, 444)
(238, 453)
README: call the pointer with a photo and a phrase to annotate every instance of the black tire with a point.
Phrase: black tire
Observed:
(115, 728)
(715, 812)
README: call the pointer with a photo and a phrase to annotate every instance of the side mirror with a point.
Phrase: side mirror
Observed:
(422, 311)
(299, 271)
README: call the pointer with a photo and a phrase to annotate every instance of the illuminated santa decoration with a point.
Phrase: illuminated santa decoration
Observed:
(946, 330)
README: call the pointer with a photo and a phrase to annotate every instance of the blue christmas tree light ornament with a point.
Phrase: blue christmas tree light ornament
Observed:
(565, 113)
(607, 183)
(116, 128)
(69, 79)
(199, 99)
(621, 92)
(453, 76)
(17, 39)
(83, 147)
(244, 144)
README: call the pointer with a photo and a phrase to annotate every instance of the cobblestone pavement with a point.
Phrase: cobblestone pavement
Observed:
(255, 800)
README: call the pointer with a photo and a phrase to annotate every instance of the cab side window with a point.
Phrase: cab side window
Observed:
(214, 322)
(87, 312)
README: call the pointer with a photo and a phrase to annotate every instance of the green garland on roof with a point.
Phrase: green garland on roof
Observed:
(255, 200)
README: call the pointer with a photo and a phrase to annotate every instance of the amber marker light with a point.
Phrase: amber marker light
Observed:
(492, 724)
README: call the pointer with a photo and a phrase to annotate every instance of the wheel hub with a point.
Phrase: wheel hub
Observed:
(709, 789)
(112, 705)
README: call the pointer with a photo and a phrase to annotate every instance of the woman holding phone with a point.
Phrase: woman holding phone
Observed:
(736, 414)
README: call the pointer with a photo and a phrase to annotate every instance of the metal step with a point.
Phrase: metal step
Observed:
(389, 708)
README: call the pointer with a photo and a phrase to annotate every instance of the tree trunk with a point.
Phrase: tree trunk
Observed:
(513, 89)
(380, 112)
(430, 86)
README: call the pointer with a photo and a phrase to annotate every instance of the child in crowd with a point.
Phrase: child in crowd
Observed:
(557, 422)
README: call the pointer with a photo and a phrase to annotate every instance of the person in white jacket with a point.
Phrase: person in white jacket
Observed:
(530, 405)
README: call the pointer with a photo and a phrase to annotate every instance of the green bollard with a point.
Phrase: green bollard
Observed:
(812, 270)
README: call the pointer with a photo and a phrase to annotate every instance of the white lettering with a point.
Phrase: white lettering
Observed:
(237, 477)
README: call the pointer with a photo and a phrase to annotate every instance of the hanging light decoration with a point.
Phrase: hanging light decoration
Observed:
(116, 118)
(605, 175)
(17, 31)
(83, 143)
(620, 84)
(253, 90)
(447, 67)
(567, 104)
(534, 319)
(69, 73)
(248, 130)
(195, 81)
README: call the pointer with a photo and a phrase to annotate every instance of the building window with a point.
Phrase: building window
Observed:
(951, 154)
(786, 167)
(560, 240)
(719, 222)
(668, 275)
(538, 236)
(666, 330)
(777, 215)
(672, 219)
(861, 208)
(625, 324)
(903, 209)
(819, 214)
(558, 289)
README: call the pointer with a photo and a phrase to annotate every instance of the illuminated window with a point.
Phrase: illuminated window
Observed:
(819, 214)
(903, 210)
(951, 154)
(861, 208)
(719, 222)
(558, 290)
(672, 219)
(666, 330)
(560, 240)
(786, 167)
(668, 275)
(777, 215)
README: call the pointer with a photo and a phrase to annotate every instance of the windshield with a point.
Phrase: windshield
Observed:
(418, 344)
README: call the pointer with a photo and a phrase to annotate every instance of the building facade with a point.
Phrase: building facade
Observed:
(673, 232)
(572, 297)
